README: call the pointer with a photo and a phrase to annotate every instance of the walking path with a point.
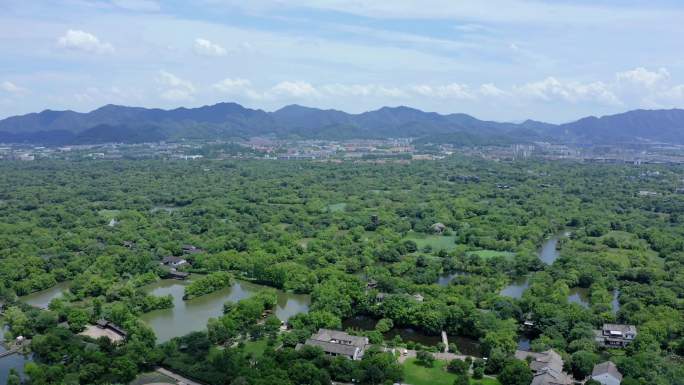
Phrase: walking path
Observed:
(181, 380)
(405, 354)
(445, 341)
(8, 352)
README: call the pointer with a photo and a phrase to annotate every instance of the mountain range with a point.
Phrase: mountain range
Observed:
(112, 123)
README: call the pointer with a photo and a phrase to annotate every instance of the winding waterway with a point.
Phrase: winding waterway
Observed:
(548, 253)
(192, 315)
(42, 298)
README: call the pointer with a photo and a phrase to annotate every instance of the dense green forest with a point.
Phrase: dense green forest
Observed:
(328, 230)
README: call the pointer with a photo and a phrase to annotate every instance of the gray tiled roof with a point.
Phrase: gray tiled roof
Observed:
(341, 337)
(549, 376)
(329, 347)
(606, 368)
(548, 359)
(619, 327)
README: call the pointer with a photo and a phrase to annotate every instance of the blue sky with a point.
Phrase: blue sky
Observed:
(505, 60)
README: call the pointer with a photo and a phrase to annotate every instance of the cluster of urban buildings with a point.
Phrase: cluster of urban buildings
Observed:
(397, 149)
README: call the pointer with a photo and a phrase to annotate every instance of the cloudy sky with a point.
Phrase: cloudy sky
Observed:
(552, 60)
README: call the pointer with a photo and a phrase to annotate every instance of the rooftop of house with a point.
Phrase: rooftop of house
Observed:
(549, 359)
(607, 368)
(339, 338)
(191, 249)
(335, 348)
(172, 259)
(619, 328)
(548, 376)
(103, 323)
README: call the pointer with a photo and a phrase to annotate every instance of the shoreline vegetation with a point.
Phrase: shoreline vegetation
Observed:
(207, 284)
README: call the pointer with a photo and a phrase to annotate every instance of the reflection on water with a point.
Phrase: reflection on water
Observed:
(14, 361)
(42, 298)
(360, 322)
(409, 334)
(465, 345)
(548, 253)
(579, 295)
(615, 304)
(549, 250)
(524, 343)
(516, 288)
(192, 315)
(445, 279)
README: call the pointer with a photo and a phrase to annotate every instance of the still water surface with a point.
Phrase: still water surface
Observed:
(15, 361)
(548, 253)
(192, 315)
(466, 345)
(42, 298)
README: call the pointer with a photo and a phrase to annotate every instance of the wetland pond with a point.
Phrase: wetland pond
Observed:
(548, 253)
(192, 315)
(42, 298)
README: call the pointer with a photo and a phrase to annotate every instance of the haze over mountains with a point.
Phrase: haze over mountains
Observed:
(113, 123)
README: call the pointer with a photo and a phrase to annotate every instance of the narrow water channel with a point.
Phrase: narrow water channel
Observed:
(548, 253)
(42, 298)
(192, 315)
(615, 304)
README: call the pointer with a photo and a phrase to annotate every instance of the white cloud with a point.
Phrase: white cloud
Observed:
(448, 91)
(643, 77)
(232, 86)
(83, 41)
(296, 89)
(12, 88)
(599, 94)
(137, 5)
(207, 48)
(489, 89)
(175, 88)
(551, 89)
(362, 90)
(671, 97)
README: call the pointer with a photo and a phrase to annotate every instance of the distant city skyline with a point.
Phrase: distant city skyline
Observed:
(502, 60)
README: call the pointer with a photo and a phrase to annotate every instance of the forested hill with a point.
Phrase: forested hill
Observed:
(113, 123)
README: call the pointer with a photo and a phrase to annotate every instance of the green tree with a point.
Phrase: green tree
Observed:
(77, 318)
(515, 372)
(384, 325)
(425, 358)
(458, 366)
(13, 377)
(582, 363)
(462, 379)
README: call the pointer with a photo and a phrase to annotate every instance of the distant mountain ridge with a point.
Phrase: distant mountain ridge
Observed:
(112, 123)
